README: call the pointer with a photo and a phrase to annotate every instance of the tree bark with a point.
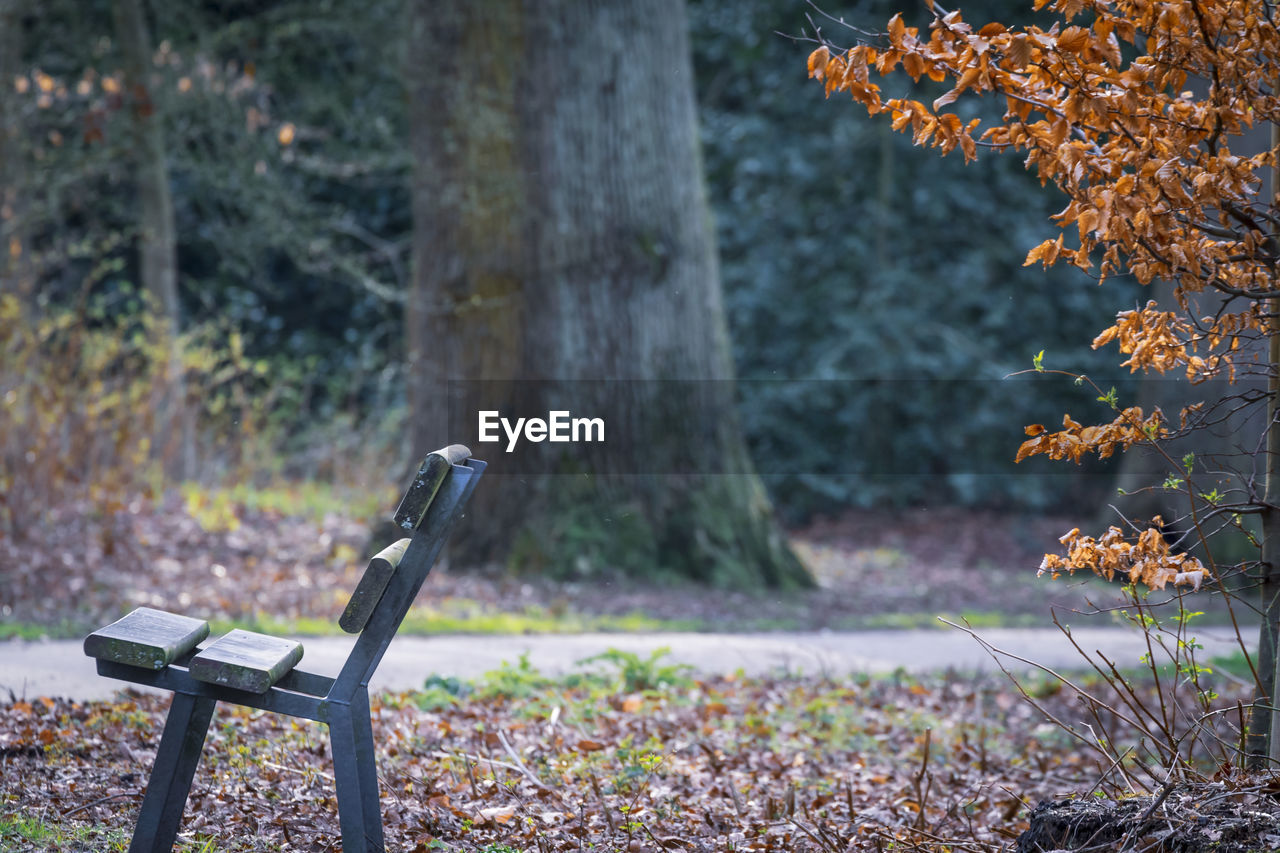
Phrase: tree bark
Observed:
(562, 232)
(157, 242)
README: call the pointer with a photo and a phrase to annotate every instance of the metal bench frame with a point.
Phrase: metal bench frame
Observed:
(342, 703)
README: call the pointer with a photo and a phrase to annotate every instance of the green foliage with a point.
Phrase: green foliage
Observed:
(438, 693)
(1162, 716)
(623, 672)
(635, 674)
(518, 681)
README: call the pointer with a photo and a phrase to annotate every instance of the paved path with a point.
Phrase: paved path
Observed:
(59, 668)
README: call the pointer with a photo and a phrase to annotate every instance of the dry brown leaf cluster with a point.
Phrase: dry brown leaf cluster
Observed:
(1074, 440)
(1145, 559)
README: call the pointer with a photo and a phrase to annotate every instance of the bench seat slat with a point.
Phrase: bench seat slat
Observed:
(146, 638)
(246, 660)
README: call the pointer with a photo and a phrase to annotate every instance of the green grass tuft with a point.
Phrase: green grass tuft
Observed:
(21, 831)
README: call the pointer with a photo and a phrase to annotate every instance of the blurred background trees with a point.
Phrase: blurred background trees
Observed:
(874, 296)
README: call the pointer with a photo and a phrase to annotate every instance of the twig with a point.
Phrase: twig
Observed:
(733, 794)
(520, 765)
(468, 757)
(301, 771)
(662, 845)
(822, 842)
(1121, 757)
(99, 802)
(995, 651)
(922, 789)
(604, 807)
(1155, 804)
(471, 777)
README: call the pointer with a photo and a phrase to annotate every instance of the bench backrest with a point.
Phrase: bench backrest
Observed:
(389, 585)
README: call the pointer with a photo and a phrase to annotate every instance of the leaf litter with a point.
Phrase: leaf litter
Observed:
(714, 764)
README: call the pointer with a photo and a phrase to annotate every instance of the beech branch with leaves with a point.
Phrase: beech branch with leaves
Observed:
(1137, 112)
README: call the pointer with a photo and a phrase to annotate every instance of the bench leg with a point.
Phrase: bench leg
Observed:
(367, 765)
(356, 776)
(171, 775)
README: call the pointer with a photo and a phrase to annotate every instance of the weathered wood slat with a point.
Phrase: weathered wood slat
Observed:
(371, 587)
(246, 660)
(413, 507)
(147, 638)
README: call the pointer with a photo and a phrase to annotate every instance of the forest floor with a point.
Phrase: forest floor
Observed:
(631, 753)
(262, 568)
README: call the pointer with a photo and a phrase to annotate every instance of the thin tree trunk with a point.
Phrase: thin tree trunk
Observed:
(157, 241)
(1265, 723)
(562, 232)
(16, 270)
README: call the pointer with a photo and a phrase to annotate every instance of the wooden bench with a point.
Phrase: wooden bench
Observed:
(169, 651)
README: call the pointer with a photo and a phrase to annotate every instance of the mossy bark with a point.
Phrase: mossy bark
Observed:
(562, 232)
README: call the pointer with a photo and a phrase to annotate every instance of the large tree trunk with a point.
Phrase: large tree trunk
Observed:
(16, 272)
(157, 242)
(562, 233)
